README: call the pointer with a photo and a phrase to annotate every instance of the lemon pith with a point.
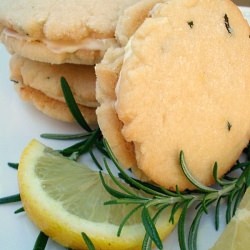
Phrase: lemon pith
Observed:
(64, 198)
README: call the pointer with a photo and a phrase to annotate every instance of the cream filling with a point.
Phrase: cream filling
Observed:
(64, 46)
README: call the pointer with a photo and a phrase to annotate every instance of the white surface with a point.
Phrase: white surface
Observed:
(19, 123)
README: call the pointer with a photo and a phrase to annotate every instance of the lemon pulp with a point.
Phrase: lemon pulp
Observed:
(236, 233)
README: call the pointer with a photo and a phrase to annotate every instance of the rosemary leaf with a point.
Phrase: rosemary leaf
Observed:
(217, 213)
(189, 176)
(239, 165)
(181, 226)
(87, 241)
(10, 199)
(118, 183)
(193, 232)
(41, 241)
(147, 243)
(126, 218)
(112, 191)
(194, 228)
(95, 160)
(63, 136)
(75, 111)
(150, 228)
(248, 178)
(238, 198)
(125, 201)
(13, 165)
(229, 209)
(227, 25)
(20, 210)
(174, 209)
(216, 178)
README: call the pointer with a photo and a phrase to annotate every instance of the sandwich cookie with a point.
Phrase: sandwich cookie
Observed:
(59, 31)
(40, 83)
(46, 77)
(54, 108)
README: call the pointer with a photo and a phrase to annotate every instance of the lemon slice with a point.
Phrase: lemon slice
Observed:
(236, 233)
(64, 198)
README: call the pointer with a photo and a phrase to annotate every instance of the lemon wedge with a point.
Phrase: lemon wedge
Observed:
(65, 198)
(236, 233)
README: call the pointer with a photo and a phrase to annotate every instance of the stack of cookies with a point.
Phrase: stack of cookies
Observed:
(50, 39)
(180, 82)
(172, 76)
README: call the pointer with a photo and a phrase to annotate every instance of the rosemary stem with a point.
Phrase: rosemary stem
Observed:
(196, 198)
(226, 190)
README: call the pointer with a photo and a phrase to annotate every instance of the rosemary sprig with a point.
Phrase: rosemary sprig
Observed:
(230, 190)
(89, 139)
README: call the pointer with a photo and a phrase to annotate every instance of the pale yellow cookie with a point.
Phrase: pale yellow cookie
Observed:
(46, 77)
(54, 108)
(60, 31)
(111, 130)
(107, 75)
(185, 85)
(39, 52)
(132, 18)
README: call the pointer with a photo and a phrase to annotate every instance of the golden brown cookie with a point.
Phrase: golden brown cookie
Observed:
(46, 77)
(185, 85)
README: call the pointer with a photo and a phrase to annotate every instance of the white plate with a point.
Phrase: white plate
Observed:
(19, 123)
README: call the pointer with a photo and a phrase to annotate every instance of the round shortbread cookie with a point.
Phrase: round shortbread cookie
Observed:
(107, 73)
(60, 31)
(54, 108)
(46, 78)
(111, 130)
(185, 85)
(132, 18)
